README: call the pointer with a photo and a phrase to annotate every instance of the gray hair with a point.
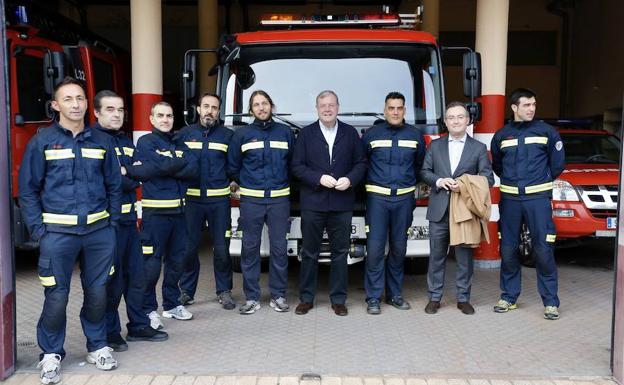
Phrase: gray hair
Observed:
(325, 93)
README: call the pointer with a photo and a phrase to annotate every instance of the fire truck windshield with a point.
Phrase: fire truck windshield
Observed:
(361, 75)
(591, 148)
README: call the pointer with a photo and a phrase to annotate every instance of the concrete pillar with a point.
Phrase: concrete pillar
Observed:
(491, 41)
(146, 41)
(208, 29)
(431, 17)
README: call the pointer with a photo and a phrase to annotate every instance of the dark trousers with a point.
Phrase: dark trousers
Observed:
(383, 217)
(57, 258)
(129, 281)
(252, 219)
(338, 225)
(163, 238)
(439, 244)
(217, 214)
(537, 214)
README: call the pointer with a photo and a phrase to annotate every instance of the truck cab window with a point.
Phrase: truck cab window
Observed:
(31, 90)
(103, 75)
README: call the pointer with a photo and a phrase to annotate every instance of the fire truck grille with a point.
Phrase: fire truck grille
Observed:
(599, 199)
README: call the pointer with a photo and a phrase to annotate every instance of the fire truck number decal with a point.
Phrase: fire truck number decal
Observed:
(79, 74)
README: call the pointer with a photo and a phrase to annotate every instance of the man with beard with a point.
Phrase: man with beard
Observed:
(208, 199)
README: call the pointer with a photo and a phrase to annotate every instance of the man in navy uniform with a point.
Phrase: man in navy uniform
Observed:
(208, 199)
(395, 151)
(258, 159)
(163, 168)
(70, 196)
(129, 277)
(528, 156)
(329, 160)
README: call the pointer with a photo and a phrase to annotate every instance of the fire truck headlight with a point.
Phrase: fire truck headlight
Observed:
(564, 191)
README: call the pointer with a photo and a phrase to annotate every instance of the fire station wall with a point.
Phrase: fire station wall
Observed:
(597, 79)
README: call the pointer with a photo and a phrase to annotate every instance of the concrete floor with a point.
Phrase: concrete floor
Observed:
(405, 343)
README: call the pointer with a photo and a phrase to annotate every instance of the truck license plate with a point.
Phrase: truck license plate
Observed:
(611, 222)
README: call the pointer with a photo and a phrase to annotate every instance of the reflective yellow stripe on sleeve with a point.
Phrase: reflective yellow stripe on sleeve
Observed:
(408, 143)
(252, 146)
(536, 140)
(378, 189)
(128, 151)
(93, 153)
(126, 208)
(278, 144)
(217, 146)
(117, 151)
(148, 249)
(380, 143)
(194, 192)
(165, 153)
(538, 188)
(194, 145)
(508, 143)
(64, 153)
(551, 237)
(91, 218)
(228, 233)
(179, 153)
(112, 270)
(251, 192)
(47, 281)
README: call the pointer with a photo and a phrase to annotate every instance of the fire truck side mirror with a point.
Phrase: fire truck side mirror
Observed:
(472, 74)
(53, 70)
(189, 79)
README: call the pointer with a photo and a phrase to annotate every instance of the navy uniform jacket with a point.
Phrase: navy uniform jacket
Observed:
(311, 160)
(395, 156)
(69, 184)
(162, 171)
(258, 159)
(125, 151)
(528, 157)
(208, 146)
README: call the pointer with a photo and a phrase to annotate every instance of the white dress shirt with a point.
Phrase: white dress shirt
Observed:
(455, 147)
(330, 136)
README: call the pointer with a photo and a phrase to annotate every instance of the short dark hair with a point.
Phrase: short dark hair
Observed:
(67, 81)
(514, 97)
(457, 104)
(395, 95)
(206, 94)
(159, 104)
(262, 93)
(97, 99)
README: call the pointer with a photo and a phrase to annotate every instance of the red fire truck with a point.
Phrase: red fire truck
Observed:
(41, 52)
(361, 58)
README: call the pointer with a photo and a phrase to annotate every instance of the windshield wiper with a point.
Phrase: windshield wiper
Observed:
(279, 117)
(378, 115)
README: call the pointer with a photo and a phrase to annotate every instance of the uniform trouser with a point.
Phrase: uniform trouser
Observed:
(129, 281)
(439, 244)
(163, 238)
(57, 258)
(219, 219)
(537, 214)
(383, 217)
(252, 219)
(338, 225)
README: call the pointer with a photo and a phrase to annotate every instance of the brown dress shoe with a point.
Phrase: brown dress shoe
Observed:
(340, 309)
(303, 308)
(432, 307)
(465, 308)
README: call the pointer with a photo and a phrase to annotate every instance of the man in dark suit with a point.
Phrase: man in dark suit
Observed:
(329, 161)
(448, 158)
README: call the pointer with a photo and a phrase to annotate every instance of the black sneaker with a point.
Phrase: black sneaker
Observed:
(117, 343)
(186, 299)
(398, 302)
(148, 334)
(373, 306)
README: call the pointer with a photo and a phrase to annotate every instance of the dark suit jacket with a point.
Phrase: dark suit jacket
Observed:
(474, 160)
(310, 161)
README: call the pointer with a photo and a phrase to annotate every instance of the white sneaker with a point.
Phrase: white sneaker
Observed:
(178, 312)
(155, 321)
(279, 304)
(50, 366)
(102, 358)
